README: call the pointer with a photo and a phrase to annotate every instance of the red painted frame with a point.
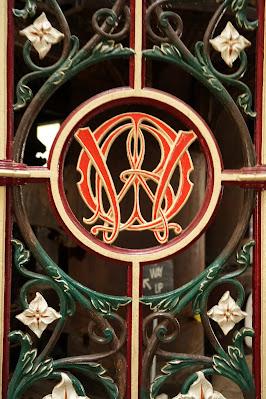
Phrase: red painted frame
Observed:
(257, 213)
(8, 222)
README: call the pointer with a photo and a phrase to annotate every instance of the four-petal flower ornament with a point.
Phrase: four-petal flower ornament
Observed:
(227, 313)
(42, 35)
(200, 389)
(38, 315)
(230, 44)
(64, 390)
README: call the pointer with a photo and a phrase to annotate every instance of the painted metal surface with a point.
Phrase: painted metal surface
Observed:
(4, 211)
(174, 153)
(182, 112)
(229, 361)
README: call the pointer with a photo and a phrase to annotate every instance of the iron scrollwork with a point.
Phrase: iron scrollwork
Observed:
(228, 362)
(173, 50)
(111, 25)
(33, 366)
(72, 60)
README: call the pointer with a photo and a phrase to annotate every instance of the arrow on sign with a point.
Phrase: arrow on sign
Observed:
(146, 283)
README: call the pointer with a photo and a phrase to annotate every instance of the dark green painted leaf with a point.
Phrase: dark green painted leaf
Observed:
(106, 303)
(239, 8)
(24, 95)
(28, 11)
(162, 303)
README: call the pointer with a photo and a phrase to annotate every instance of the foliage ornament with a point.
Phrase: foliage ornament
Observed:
(30, 369)
(227, 313)
(230, 44)
(29, 9)
(42, 35)
(174, 301)
(198, 63)
(239, 9)
(38, 315)
(230, 364)
(64, 390)
(200, 389)
(33, 366)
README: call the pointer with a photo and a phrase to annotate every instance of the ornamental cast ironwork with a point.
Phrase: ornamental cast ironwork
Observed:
(131, 22)
(173, 151)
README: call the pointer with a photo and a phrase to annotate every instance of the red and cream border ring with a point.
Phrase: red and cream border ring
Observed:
(163, 101)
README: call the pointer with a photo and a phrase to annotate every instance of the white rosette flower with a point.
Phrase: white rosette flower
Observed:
(38, 315)
(42, 35)
(227, 313)
(230, 44)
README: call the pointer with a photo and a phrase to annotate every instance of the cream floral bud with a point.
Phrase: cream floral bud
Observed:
(42, 35)
(38, 315)
(227, 313)
(230, 44)
(64, 390)
(200, 389)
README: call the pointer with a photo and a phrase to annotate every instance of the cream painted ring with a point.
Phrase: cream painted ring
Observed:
(55, 164)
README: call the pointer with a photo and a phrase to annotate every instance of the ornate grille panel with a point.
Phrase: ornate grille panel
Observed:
(132, 240)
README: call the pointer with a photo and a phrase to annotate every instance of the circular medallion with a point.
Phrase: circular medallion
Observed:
(150, 191)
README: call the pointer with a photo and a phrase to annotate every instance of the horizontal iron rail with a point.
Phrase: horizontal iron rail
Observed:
(12, 173)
